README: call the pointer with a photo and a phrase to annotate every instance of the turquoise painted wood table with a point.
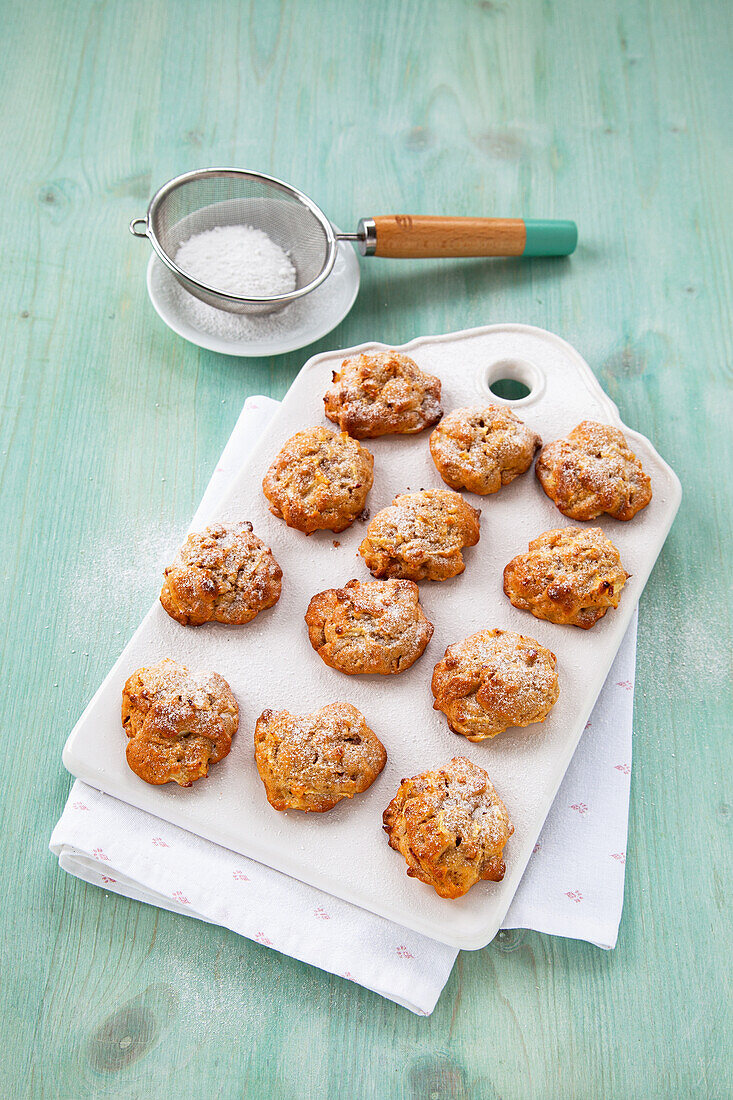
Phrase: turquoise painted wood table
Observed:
(616, 114)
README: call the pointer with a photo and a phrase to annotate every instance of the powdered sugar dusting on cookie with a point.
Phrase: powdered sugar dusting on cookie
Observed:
(481, 448)
(177, 722)
(421, 536)
(312, 761)
(378, 393)
(369, 627)
(224, 573)
(592, 471)
(451, 827)
(492, 680)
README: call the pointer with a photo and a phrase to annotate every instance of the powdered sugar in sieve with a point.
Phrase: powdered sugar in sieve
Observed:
(237, 259)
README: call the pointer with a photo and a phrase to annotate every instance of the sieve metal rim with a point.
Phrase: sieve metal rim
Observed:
(228, 173)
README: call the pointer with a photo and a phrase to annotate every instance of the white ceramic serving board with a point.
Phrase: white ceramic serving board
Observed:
(270, 663)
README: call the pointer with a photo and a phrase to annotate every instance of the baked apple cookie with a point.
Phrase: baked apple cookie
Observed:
(369, 626)
(311, 761)
(178, 722)
(421, 536)
(592, 471)
(568, 575)
(451, 827)
(481, 448)
(382, 392)
(319, 481)
(493, 680)
(223, 574)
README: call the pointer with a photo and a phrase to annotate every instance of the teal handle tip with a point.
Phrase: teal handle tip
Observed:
(550, 238)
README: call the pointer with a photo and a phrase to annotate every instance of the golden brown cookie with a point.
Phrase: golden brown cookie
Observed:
(451, 827)
(319, 480)
(481, 448)
(568, 575)
(592, 471)
(492, 680)
(178, 722)
(380, 392)
(369, 626)
(421, 536)
(311, 761)
(224, 574)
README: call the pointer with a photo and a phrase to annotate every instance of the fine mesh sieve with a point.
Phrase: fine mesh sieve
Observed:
(211, 197)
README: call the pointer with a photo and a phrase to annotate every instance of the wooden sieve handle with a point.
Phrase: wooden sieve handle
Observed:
(422, 236)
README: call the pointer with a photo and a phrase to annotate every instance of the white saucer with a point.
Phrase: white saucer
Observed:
(293, 327)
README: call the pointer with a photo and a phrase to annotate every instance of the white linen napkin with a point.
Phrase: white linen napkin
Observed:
(573, 885)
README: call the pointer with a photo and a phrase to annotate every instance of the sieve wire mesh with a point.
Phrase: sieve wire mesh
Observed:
(202, 201)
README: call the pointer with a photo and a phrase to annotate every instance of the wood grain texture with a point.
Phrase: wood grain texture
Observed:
(415, 237)
(615, 114)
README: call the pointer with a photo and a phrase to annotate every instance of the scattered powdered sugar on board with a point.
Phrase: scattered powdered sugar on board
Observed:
(237, 259)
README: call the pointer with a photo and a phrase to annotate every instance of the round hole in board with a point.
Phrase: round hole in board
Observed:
(510, 389)
(513, 381)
